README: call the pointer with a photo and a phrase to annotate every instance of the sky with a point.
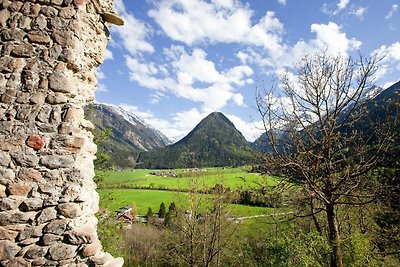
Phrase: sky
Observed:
(176, 61)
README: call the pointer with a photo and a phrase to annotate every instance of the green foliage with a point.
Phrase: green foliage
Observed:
(149, 213)
(289, 248)
(162, 211)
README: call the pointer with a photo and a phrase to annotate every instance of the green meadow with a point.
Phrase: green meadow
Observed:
(139, 187)
(233, 178)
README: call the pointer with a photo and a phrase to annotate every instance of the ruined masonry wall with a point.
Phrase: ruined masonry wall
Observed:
(49, 52)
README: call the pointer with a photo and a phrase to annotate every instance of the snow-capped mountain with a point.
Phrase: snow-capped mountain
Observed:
(131, 134)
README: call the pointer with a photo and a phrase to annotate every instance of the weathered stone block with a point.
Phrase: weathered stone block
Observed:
(67, 12)
(19, 189)
(36, 251)
(46, 215)
(57, 161)
(23, 50)
(5, 159)
(39, 38)
(18, 262)
(36, 142)
(49, 239)
(29, 175)
(57, 98)
(83, 235)
(26, 158)
(56, 227)
(29, 241)
(4, 15)
(58, 82)
(9, 203)
(8, 250)
(31, 204)
(30, 232)
(7, 234)
(3, 191)
(49, 11)
(69, 210)
(89, 250)
(62, 251)
(7, 218)
(6, 176)
(44, 114)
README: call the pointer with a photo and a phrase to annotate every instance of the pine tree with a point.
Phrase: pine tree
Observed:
(171, 214)
(149, 213)
(162, 211)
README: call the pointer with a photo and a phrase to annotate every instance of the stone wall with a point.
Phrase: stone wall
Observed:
(49, 52)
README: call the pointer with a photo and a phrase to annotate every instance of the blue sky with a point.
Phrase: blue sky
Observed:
(176, 61)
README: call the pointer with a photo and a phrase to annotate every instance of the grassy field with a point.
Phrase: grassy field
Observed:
(114, 199)
(228, 177)
(117, 190)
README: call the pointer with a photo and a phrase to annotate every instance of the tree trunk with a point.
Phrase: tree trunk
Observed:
(334, 239)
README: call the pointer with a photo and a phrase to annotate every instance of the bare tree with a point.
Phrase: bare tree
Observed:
(319, 136)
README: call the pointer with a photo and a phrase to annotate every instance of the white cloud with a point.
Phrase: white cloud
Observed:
(282, 2)
(197, 66)
(392, 12)
(197, 21)
(342, 4)
(391, 59)
(328, 37)
(100, 87)
(192, 76)
(250, 130)
(100, 74)
(108, 55)
(134, 33)
(359, 12)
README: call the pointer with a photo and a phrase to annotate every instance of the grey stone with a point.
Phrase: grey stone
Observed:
(47, 214)
(29, 232)
(49, 11)
(5, 159)
(26, 158)
(7, 218)
(36, 251)
(44, 114)
(31, 204)
(57, 98)
(9, 203)
(83, 235)
(58, 82)
(40, 262)
(6, 176)
(49, 239)
(57, 161)
(4, 15)
(29, 241)
(23, 50)
(8, 250)
(3, 191)
(18, 262)
(69, 210)
(62, 251)
(56, 227)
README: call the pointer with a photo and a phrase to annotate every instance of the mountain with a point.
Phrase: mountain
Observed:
(213, 142)
(130, 134)
(376, 110)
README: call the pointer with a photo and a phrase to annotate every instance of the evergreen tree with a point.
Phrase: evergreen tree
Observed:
(149, 213)
(171, 214)
(162, 211)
